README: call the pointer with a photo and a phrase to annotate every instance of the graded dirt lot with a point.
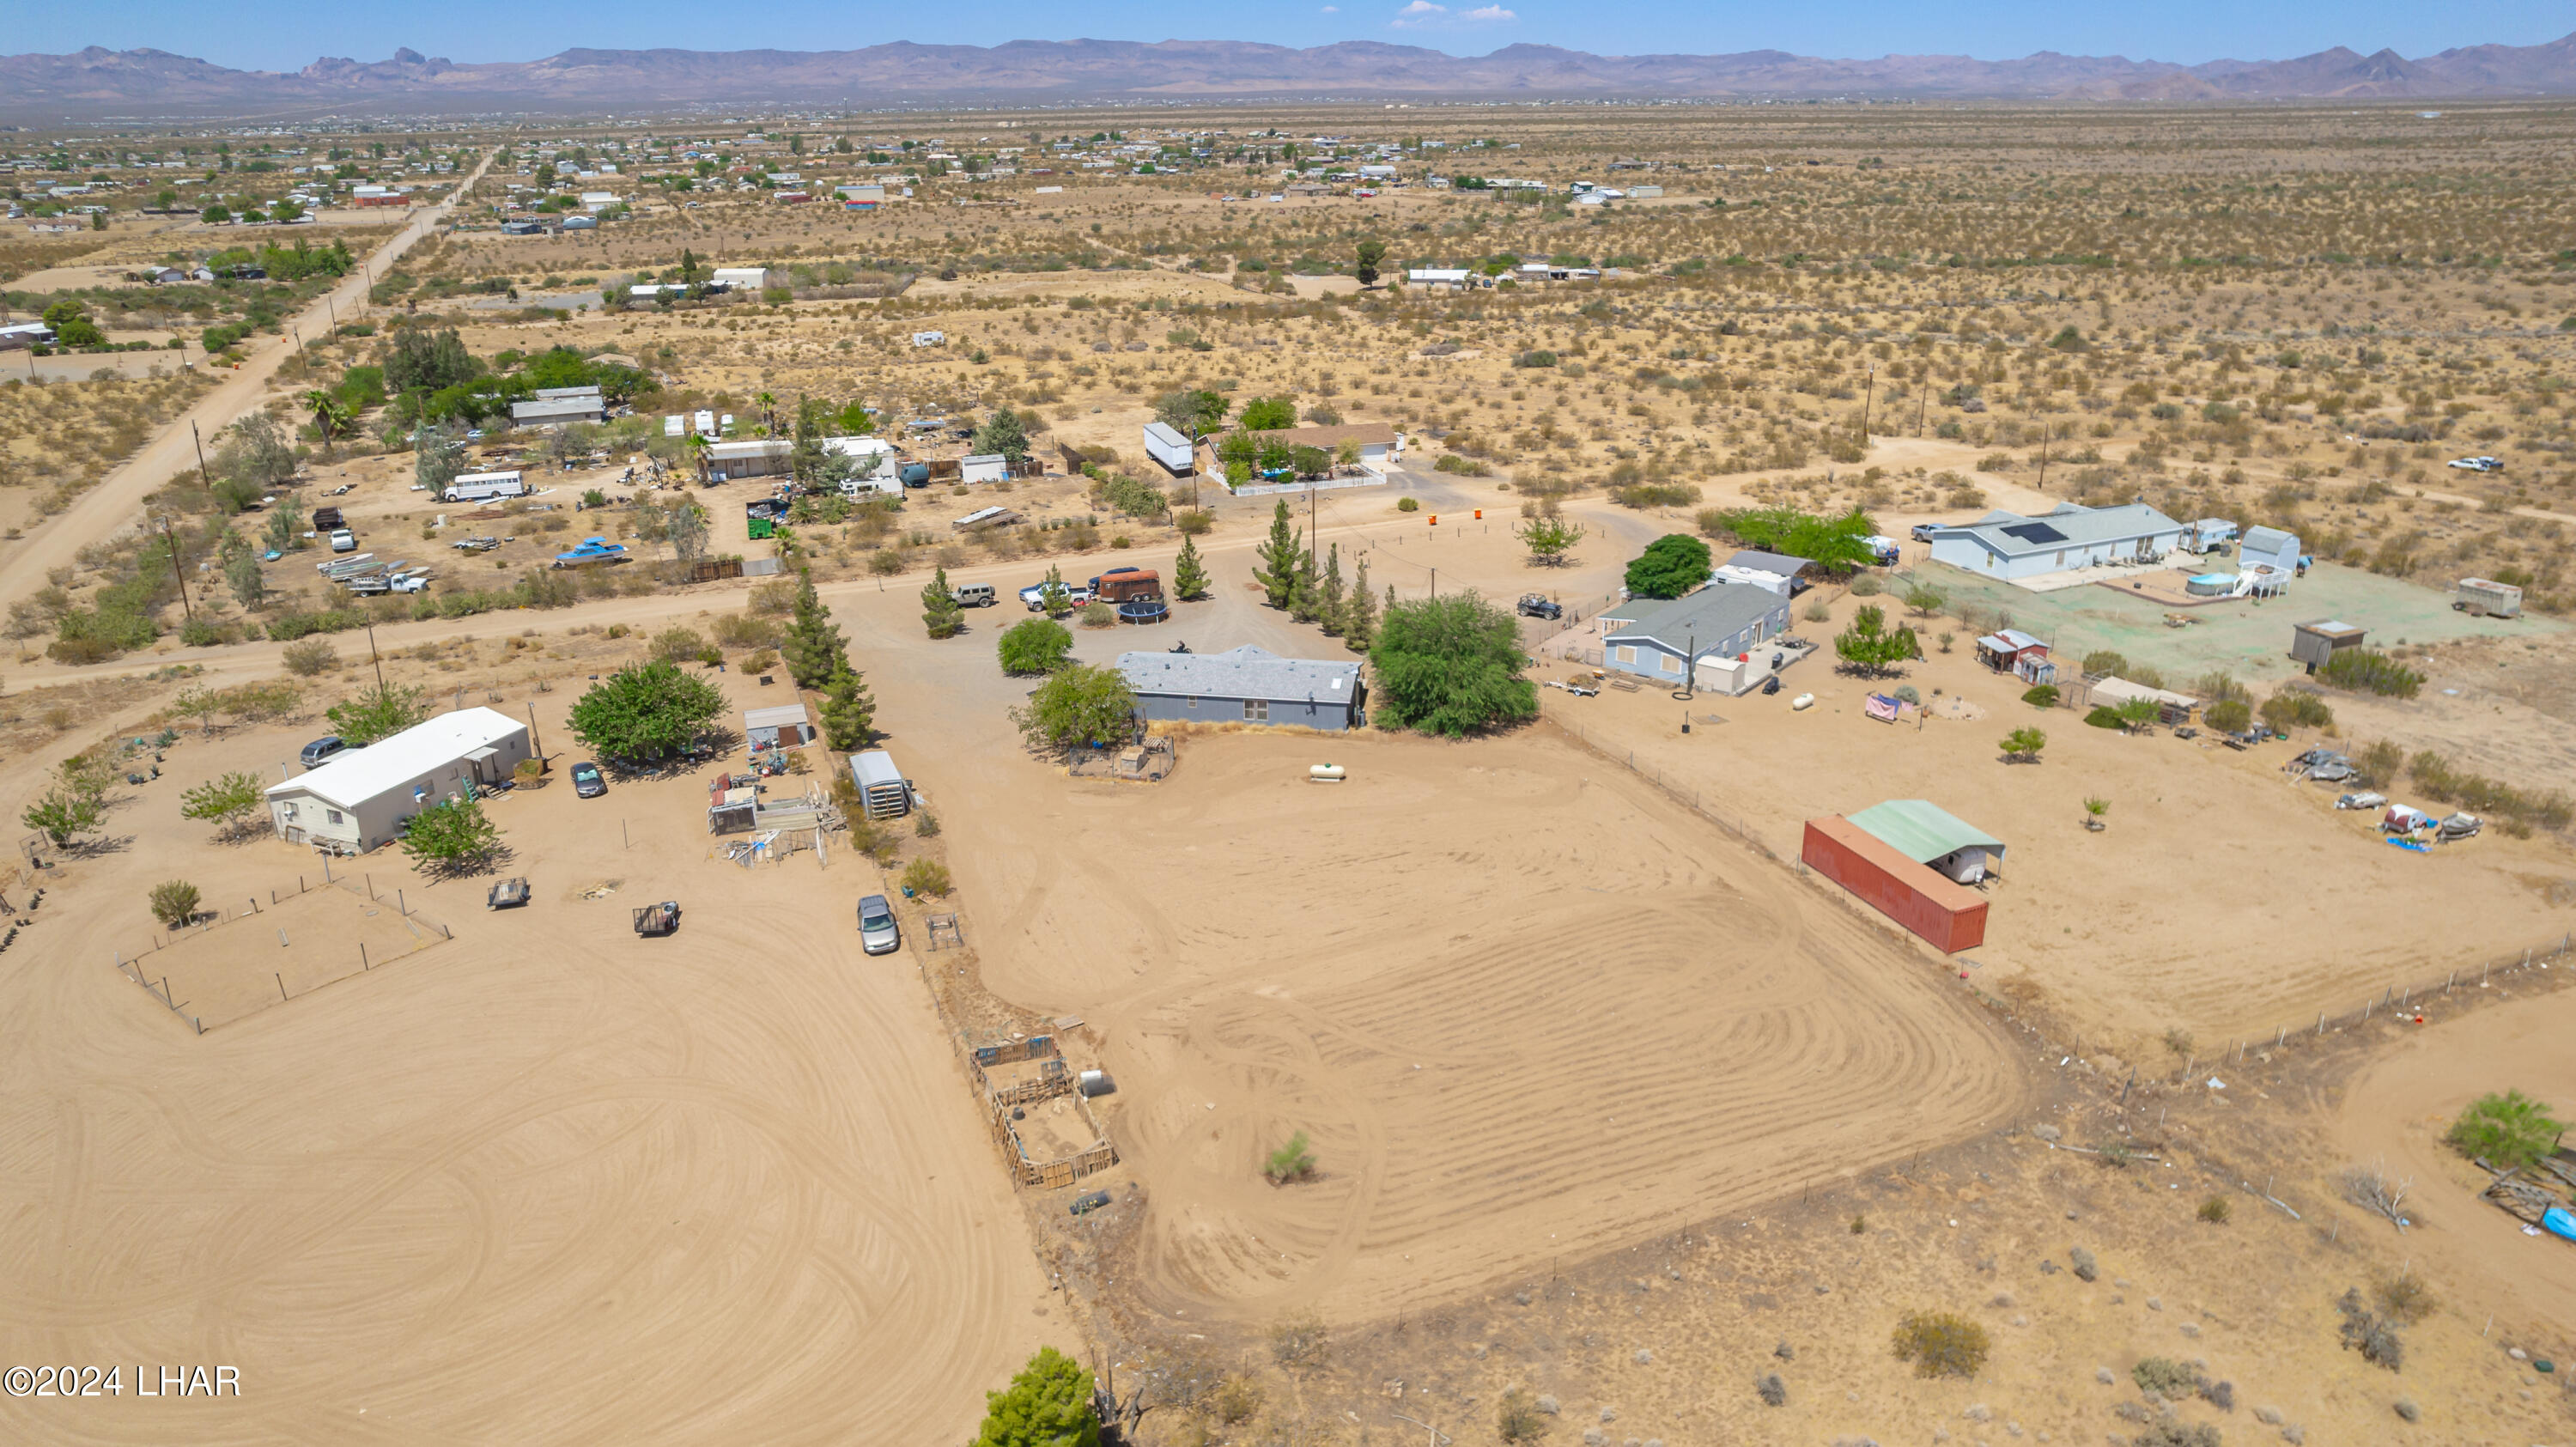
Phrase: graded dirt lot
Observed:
(545, 1182)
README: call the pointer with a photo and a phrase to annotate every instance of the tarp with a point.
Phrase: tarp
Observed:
(1879, 706)
(2558, 1223)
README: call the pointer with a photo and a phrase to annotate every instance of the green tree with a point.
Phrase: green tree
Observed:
(939, 611)
(174, 903)
(1670, 566)
(1329, 592)
(452, 838)
(1054, 598)
(2508, 1130)
(227, 799)
(420, 361)
(1269, 414)
(1359, 616)
(1369, 253)
(242, 572)
(2022, 746)
(1047, 1405)
(60, 814)
(255, 450)
(646, 712)
(1004, 434)
(286, 524)
(849, 711)
(1283, 558)
(1549, 537)
(1291, 1162)
(1190, 413)
(2229, 716)
(330, 415)
(806, 455)
(1867, 646)
(1925, 599)
(379, 713)
(1834, 542)
(1452, 666)
(814, 646)
(1078, 704)
(1189, 573)
(1040, 645)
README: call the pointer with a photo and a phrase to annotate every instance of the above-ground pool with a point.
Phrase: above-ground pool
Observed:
(2211, 585)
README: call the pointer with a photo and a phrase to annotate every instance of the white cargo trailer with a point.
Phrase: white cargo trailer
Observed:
(1167, 446)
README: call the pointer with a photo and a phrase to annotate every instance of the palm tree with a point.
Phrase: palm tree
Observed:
(768, 412)
(329, 415)
(697, 444)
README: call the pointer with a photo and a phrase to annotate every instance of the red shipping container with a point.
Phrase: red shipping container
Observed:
(1917, 896)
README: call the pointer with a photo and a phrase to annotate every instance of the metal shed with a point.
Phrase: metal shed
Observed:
(881, 785)
(1929, 834)
(1952, 917)
(2314, 643)
(784, 726)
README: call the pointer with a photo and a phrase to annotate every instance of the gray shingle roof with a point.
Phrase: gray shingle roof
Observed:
(2067, 525)
(1245, 672)
(1762, 562)
(1711, 615)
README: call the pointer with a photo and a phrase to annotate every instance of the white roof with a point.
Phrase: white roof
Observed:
(857, 446)
(1162, 432)
(981, 459)
(407, 758)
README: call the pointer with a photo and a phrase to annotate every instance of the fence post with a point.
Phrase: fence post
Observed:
(281, 984)
(362, 956)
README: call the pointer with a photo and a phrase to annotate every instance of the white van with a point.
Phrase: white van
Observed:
(973, 595)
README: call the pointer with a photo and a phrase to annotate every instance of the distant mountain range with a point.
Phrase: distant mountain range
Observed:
(97, 81)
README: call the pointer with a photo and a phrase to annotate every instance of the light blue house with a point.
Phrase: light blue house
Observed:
(1720, 627)
(2009, 546)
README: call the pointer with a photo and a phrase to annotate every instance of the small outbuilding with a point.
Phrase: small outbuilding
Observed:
(984, 467)
(2009, 650)
(1933, 836)
(2315, 643)
(1947, 914)
(781, 726)
(1244, 685)
(363, 798)
(556, 411)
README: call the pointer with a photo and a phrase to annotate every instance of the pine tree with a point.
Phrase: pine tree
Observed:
(1189, 574)
(1305, 601)
(1328, 593)
(814, 648)
(849, 712)
(939, 610)
(1283, 557)
(1053, 596)
(1359, 618)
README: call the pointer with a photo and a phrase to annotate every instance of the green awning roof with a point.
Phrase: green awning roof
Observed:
(1922, 831)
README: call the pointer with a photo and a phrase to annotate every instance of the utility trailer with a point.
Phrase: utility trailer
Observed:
(658, 919)
(2485, 598)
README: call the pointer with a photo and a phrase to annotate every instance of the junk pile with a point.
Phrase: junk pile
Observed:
(2537, 1194)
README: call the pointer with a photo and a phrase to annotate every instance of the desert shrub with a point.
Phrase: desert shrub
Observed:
(2216, 1210)
(2104, 718)
(1462, 466)
(1237, 1399)
(2368, 669)
(1097, 615)
(287, 627)
(927, 876)
(2369, 1333)
(1865, 586)
(2378, 765)
(1772, 1391)
(2044, 696)
(1518, 1419)
(2174, 1432)
(2163, 1376)
(2509, 1130)
(1299, 1341)
(1291, 1162)
(2104, 661)
(2081, 1262)
(174, 903)
(1656, 494)
(1406, 504)
(2434, 775)
(306, 657)
(2221, 1395)
(678, 644)
(2220, 685)
(1941, 1344)
(2229, 716)
(2296, 708)
(2404, 1298)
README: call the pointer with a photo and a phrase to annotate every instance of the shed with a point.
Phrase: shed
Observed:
(2270, 548)
(2171, 707)
(2009, 650)
(741, 278)
(984, 467)
(751, 457)
(2314, 643)
(363, 797)
(1244, 685)
(781, 726)
(556, 411)
(882, 788)
(1951, 916)
(1931, 835)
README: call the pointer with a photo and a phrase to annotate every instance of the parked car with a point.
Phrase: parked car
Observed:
(587, 782)
(1080, 597)
(343, 541)
(973, 595)
(878, 932)
(1923, 532)
(1539, 605)
(1088, 1202)
(2477, 464)
(320, 749)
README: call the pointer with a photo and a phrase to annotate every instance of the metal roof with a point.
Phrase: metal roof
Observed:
(1922, 831)
(776, 716)
(1245, 672)
(2268, 540)
(2068, 524)
(1762, 562)
(412, 756)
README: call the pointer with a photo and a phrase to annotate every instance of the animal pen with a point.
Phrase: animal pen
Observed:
(1043, 1125)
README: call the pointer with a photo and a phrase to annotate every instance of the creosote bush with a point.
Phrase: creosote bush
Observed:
(1941, 1344)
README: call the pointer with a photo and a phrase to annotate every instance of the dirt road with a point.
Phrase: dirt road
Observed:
(116, 502)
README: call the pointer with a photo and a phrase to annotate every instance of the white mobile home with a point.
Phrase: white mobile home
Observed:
(742, 278)
(2011, 547)
(984, 467)
(362, 798)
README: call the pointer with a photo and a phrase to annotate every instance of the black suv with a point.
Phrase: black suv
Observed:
(1534, 606)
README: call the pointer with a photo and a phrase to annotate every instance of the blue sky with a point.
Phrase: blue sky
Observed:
(285, 34)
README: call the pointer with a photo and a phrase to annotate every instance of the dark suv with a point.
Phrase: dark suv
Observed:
(1533, 605)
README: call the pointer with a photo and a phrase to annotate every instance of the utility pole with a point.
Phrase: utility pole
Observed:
(1868, 394)
(532, 731)
(205, 479)
(375, 658)
(1921, 400)
(2044, 430)
(172, 539)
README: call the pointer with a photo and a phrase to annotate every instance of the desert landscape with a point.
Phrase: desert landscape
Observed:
(1504, 1067)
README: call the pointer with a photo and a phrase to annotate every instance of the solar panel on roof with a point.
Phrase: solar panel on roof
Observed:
(2035, 533)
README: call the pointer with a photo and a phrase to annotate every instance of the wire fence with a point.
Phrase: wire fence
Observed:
(1684, 792)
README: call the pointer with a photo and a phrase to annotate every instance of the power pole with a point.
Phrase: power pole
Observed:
(1868, 394)
(532, 731)
(2044, 430)
(205, 479)
(375, 658)
(1921, 400)
(172, 539)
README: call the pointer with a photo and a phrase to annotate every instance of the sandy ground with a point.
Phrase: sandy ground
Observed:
(2222, 900)
(548, 1181)
(2397, 1111)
